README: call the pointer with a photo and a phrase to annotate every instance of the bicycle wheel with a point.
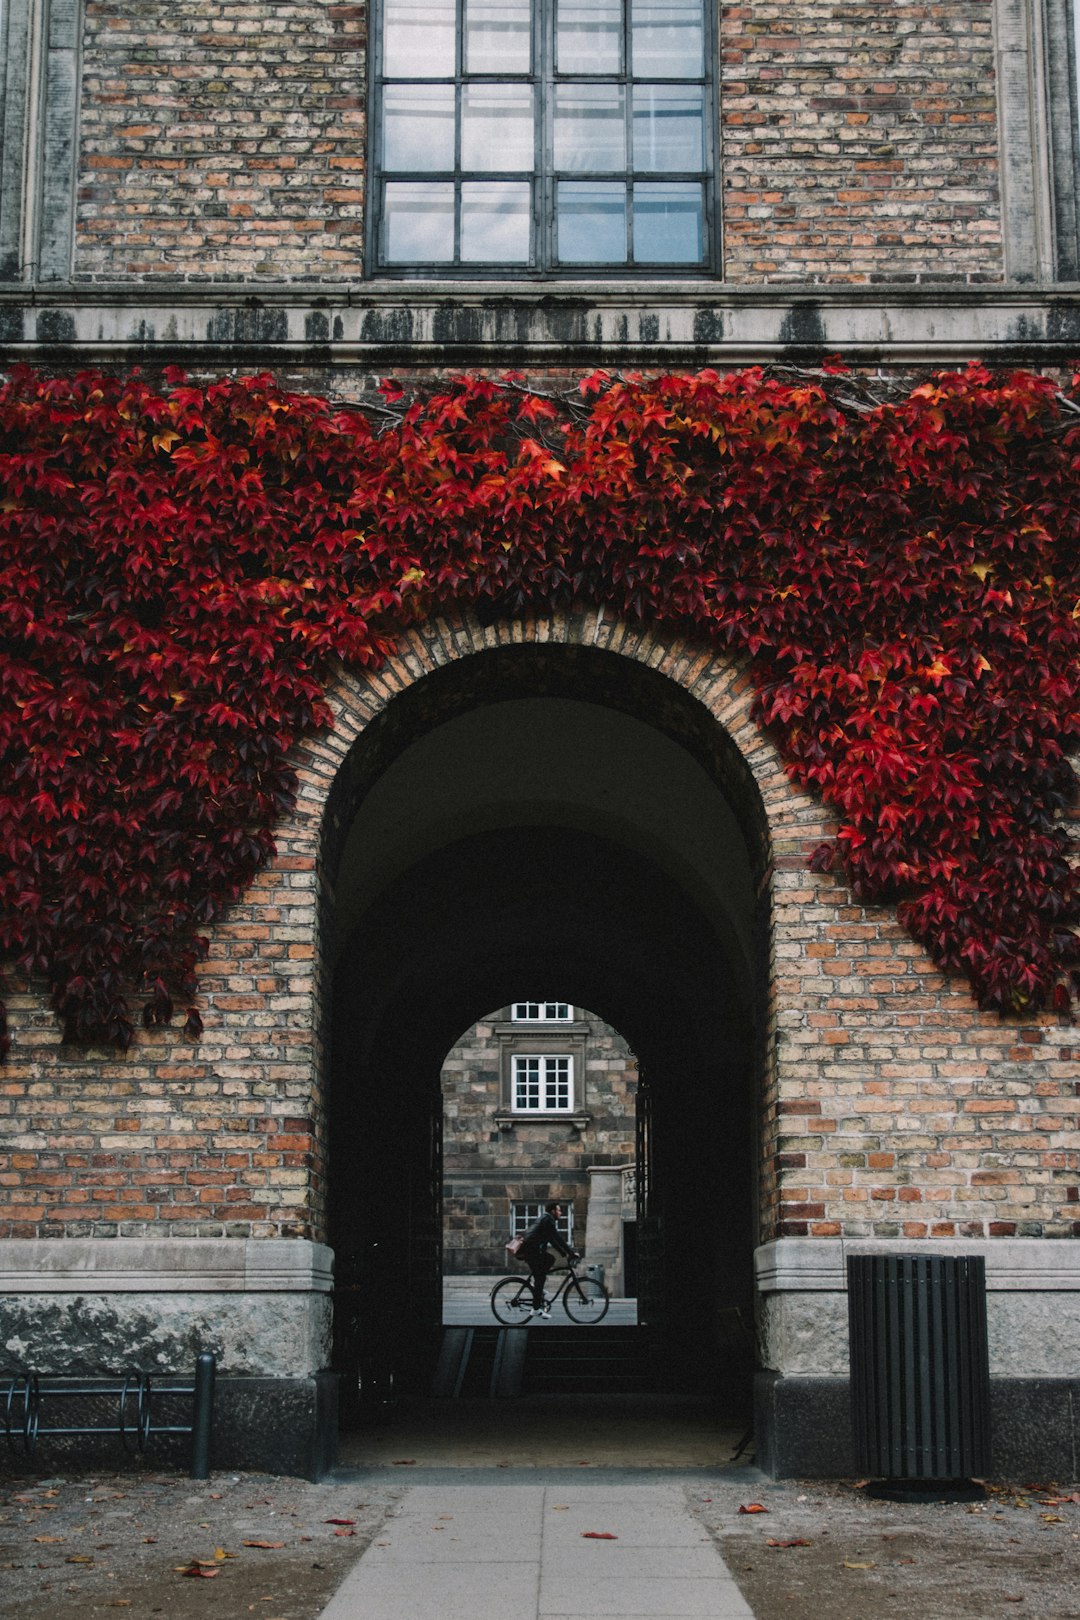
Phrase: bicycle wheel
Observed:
(511, 1300)
(585, 1300)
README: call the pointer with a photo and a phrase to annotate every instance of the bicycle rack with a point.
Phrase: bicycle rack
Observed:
(27, 1394)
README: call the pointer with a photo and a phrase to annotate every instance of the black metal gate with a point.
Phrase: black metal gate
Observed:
(650, 1229)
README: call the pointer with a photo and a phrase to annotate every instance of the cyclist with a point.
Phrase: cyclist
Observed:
(534, 1252)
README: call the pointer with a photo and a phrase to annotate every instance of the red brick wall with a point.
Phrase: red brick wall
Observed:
(858, 143)
(220, 137)
(892, 1106)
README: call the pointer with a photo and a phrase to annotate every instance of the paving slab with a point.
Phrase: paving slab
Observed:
(540, 1552)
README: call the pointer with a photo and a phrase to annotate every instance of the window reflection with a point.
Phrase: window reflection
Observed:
(591, 222)
(669, 132)
(495, 221)
(419, 39)
(588, 36)
(667, 38)
(418, 126)
(597, 153)
(497, 127)
(418, 222)
(590, 130)
(498, 36)
(668, 224)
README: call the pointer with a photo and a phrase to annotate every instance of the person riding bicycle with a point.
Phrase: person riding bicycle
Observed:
(534, 1252)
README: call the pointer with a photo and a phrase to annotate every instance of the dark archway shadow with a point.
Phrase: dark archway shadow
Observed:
(461, 929)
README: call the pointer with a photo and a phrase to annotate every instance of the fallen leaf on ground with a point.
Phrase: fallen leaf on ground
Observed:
(48, 1538)
(800, 1541)
(560, 1507)
(78, 1558)
(118, 1603)
(403, 1462)
(850, 1564)
(599, 1535)
(752, 1507)
(197, 1569)
(339, 1521)
(1009, 1599)
(264, 1544)
(353, 1532)
(1051, 1518)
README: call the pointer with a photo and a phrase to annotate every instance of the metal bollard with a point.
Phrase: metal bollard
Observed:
(202, 1412)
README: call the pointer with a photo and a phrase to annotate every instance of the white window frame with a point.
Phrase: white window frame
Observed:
(541, 1012)
(553, 1090)
(524, 1214)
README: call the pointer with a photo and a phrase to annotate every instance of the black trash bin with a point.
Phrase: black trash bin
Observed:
(920, 1375)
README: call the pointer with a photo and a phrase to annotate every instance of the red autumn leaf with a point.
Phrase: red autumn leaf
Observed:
(178, 567)
(599, 1535)
(752, 1507)
(339, 1521)
(263, 1544)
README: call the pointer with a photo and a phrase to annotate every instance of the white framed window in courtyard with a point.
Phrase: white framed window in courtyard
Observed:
(551, 136)
(541, 1012)
(524, 1214)
(542, 1083)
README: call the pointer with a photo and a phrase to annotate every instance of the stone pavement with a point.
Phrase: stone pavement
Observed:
(540, 1552)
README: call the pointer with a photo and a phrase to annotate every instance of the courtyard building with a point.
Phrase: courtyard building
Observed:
(520, 798)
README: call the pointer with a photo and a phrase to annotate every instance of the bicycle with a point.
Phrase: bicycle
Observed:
(583, 1299)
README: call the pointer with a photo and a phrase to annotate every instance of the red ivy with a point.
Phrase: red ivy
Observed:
(178, 567)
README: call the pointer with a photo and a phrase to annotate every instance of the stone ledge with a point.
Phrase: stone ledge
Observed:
(800, 1265)
(614, 324)
(167, 1265)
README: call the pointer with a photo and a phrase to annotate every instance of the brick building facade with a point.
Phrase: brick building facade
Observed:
(565, 800)
(536, 1100)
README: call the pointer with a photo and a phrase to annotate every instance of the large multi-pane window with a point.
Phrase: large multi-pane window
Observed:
(545, 135)
(523, 1215)
(542, 1084)
(539, 1012)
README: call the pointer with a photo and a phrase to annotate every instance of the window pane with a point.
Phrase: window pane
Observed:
(498, 36)
(669, 224)
(495, 221)
(418, 39)
(557, 1082)
(497, 127)
(588, 36)
(591, 222)
(589, 127)
(668, 128)
(667, 39)
(526, 1082)
(418, 222)
(418, 126)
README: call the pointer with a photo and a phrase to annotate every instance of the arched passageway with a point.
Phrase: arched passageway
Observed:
(547, 817)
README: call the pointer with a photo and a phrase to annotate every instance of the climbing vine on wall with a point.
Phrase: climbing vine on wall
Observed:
(180, 566)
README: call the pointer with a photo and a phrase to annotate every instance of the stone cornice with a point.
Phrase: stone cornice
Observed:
(819, 1265)
(164, 1266)
(666, 323)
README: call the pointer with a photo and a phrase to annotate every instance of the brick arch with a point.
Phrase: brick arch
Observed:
(709, 711)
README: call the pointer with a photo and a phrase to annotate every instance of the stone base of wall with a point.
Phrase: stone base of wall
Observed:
(803, 1427)
(277, 1425)
(96, 1306)
(267, 1425)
